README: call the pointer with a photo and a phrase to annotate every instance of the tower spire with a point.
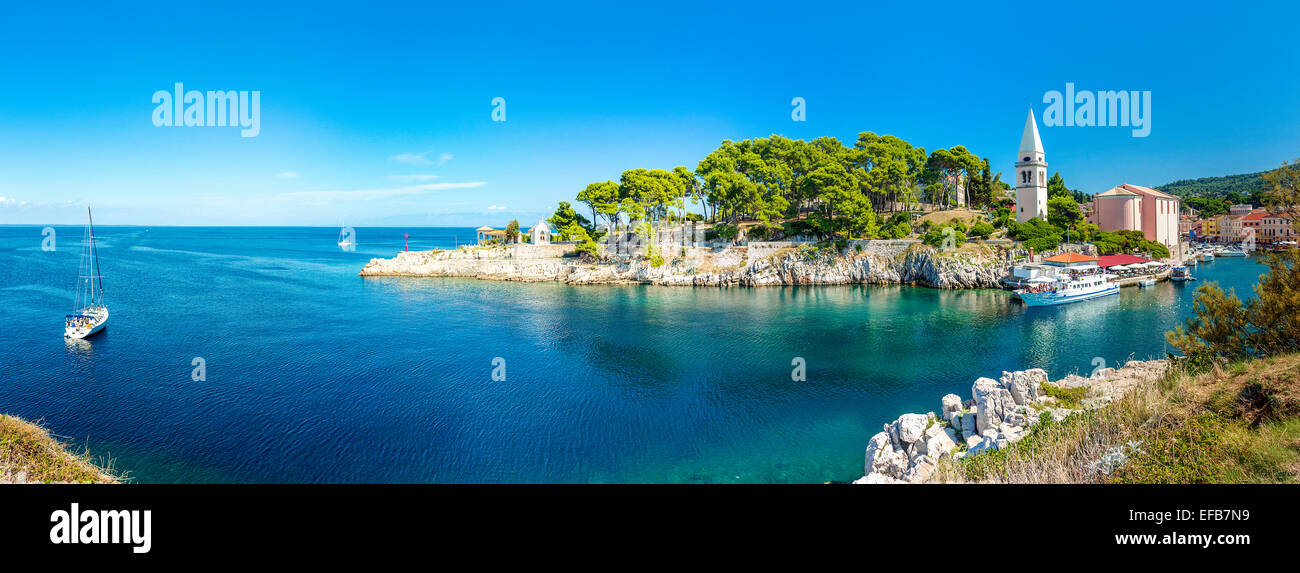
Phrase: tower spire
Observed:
(1030, 142)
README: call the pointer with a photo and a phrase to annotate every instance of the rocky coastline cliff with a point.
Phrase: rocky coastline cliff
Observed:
(999, 413)
(861, 262)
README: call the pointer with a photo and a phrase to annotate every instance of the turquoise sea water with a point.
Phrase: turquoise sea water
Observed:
(317, 375)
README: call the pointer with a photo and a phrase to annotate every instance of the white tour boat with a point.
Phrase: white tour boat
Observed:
(91, 314)
(1075, 284)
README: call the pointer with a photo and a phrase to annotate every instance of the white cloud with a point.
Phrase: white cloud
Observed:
(497, 208)
(421, 158)
(11, 202)
(411, 158)
(287, 175)
(413, 177)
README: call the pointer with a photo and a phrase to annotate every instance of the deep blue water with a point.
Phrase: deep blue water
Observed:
(317, 375)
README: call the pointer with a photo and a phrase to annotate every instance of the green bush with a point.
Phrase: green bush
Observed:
(982, 230)
(937, 234)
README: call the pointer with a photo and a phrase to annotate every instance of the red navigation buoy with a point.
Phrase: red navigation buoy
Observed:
(407, 236)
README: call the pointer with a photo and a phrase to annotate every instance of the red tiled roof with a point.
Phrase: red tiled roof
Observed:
(1070, 257)
(1112, 260)
(1147, 191)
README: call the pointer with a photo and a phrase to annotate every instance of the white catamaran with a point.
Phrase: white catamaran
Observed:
(90, 315)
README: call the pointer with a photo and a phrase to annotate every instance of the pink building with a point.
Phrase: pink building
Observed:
(1136, 208)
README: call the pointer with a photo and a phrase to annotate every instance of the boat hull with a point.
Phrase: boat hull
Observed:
(1056, 298)
(80, 332)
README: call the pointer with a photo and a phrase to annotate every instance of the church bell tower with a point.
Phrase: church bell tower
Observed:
(1031, 174)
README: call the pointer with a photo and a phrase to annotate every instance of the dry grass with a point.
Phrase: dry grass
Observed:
(940, 217)
(1239, 424)
(28, 453)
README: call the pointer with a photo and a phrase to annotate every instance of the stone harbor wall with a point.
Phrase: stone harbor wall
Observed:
(862, 262)
(999, 413)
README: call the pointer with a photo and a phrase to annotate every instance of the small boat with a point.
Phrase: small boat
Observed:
(90, 316)
(1147, 282)
(1230, 252)
(1180, 273)
(345, 237)
(1207, 257)
(1072, 287)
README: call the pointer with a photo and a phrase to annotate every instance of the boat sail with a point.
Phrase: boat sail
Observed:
(345, 237)
(90, 315)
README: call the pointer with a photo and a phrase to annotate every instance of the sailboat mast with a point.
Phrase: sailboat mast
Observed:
(97, 279)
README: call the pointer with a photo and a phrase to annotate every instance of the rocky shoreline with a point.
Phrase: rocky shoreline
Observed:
(999, 413)
(914, 264)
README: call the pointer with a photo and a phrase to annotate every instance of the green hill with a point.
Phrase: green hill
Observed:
(1225, 187)
(1213, 195)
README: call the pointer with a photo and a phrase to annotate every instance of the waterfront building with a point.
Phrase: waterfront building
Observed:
(540, 234)
(1210, 227)
(1031, 174)
(1252, 225)
(1137, 208)
(485, 234)
(1230, 227)
(1278, 227)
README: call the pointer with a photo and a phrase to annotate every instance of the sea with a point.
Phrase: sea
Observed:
(258, 355)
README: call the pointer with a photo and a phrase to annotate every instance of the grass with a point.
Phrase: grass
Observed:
(27, 448)
(1066, 397)
(1234, 424)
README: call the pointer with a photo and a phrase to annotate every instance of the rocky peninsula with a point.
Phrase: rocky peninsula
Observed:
(999, 413)
(771, 264)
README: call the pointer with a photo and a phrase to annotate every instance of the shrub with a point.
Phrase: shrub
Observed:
(982, 230)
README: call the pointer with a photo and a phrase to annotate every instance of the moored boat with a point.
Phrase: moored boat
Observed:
(1078, 285)
(90, 316)
(1180, 273)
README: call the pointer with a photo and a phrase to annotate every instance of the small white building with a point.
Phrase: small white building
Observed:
(540, 234)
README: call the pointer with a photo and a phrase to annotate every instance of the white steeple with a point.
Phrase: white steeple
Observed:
(1030, 142)
(1031, 174)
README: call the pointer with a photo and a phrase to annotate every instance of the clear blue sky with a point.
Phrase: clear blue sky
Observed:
(381, 114)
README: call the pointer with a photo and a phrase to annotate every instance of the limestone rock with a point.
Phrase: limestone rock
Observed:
(951, 403)
(920, 471)
(911, 427)
(992, 403)
(883, 458)
(1024, 384)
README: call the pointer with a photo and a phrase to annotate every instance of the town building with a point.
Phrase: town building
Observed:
(1278, 228)
(1210, 227)
(484, 235)
(540, 234)
(1137, 208)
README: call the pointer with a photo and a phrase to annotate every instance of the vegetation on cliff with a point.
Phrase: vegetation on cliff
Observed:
(28, 453)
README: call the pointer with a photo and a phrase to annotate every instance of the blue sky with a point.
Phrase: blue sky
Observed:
(381, 114)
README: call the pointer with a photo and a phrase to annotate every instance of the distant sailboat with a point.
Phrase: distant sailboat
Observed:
(345, 238)
(90, 315)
